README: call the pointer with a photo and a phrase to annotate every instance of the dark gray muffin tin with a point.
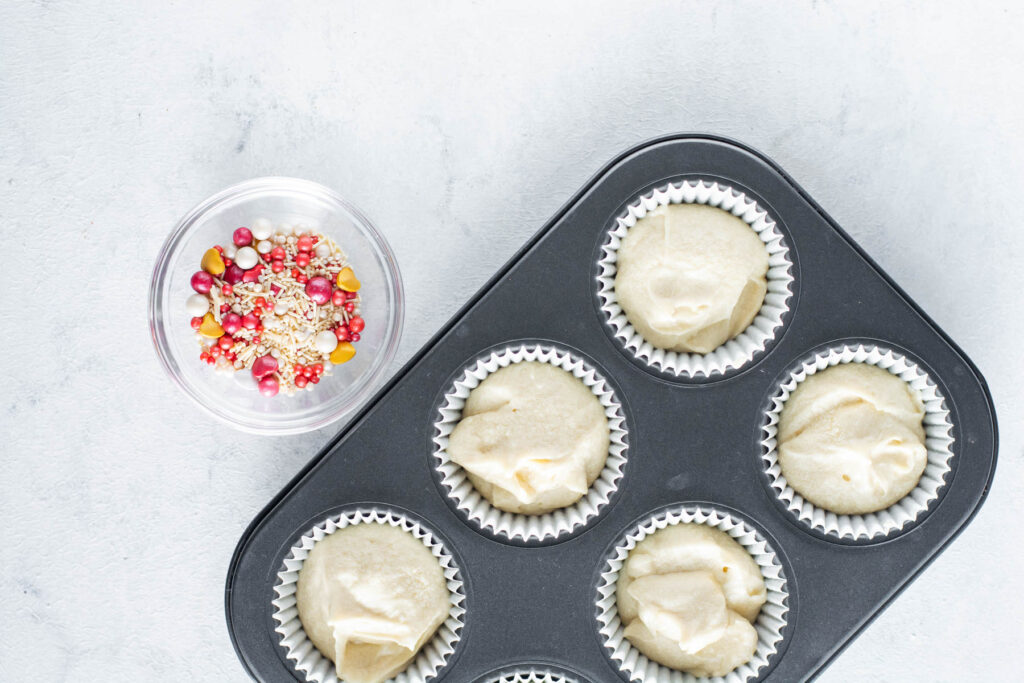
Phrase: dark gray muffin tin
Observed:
(690, 441)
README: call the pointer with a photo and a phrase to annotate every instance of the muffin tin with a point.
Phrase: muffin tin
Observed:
(694, 444)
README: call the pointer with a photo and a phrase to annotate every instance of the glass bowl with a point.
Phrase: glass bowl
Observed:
(290, 201)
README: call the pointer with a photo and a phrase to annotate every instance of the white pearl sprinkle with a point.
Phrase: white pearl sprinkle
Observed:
(197, 305)
(246, 258)
(262, 229)
(264, 247)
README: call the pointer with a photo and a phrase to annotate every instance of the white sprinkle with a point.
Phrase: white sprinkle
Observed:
(197, 305)
(246, 258)
(262, 229)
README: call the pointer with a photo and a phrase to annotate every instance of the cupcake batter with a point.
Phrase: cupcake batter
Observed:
(691, 277)
(687, 595)
(851, 439)
(369, 596)
(532, 438)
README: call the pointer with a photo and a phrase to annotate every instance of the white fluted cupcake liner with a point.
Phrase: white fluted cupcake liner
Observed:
(477, 509)
(770, 622)
(938, 442)
(300, 649)
(541, 674)
(765, 327)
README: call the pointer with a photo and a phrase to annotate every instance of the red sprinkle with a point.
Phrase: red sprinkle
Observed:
(300, 381)
(242, 237)
(233, 275)
(269, 386)
(202, 281)
(356, 324)
(231, 323)
(227, 290)
(195, 323)
(355, 337)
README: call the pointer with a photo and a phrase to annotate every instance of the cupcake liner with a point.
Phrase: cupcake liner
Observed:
(300, 649)
(770, 622)
(938, 442)
(531, 674)
(477, 509)
(765, 327)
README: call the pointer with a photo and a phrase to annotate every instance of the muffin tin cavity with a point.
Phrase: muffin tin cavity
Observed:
(692, 439)
(471, 505)
(299, 650)
(771, 622)
(736, 352)
(939, 442)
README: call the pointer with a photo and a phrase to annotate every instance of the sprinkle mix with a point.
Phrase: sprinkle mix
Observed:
(281, 306)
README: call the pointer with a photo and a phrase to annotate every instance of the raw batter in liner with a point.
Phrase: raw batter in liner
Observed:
(369, 597)
(532, 438)
(687, 595)
(851, 439)
(690, 277)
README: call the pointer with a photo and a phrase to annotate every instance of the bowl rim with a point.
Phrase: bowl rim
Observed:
(364, 225)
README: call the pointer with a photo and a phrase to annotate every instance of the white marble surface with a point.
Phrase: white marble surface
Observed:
(459, 133)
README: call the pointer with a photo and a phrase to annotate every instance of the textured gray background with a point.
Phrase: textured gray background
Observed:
(459, 133)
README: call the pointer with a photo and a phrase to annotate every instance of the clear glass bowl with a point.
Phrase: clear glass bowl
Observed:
(291, 201)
